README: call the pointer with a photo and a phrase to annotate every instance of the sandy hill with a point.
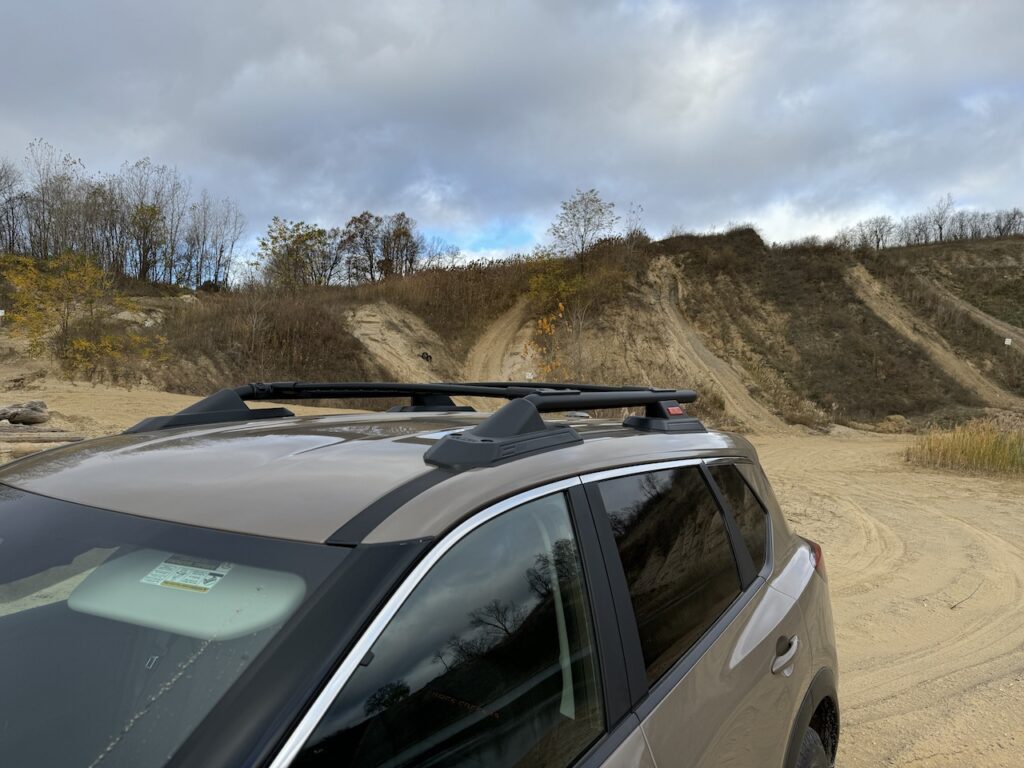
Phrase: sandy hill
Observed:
(772, 336)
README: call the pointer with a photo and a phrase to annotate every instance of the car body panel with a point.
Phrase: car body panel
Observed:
(730, 709)
(633, 752)
(438, 508)
(248, 477)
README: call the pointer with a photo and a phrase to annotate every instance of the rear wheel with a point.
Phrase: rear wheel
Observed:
(812, 752)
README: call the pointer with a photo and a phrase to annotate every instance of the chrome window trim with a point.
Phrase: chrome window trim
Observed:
(297, 739)
(637, 469)
(715, 460)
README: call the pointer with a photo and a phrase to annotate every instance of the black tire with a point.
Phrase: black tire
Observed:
(812, 752)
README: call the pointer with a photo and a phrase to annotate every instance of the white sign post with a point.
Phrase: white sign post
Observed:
(1007, 342)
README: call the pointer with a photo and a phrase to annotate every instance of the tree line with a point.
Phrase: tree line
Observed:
(942, 222)
(142, 222)
(368, 249)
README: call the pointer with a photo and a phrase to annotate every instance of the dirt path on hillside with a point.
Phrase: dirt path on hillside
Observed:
(397, 340)
(997, 326)
(498, 354)
(901, 319)
(926, 573)
(687, 344)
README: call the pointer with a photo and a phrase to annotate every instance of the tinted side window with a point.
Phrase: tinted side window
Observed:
(677, 557)
(489, 662)
(750, 516)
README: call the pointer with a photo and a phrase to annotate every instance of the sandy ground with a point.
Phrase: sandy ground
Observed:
(87, 410)
(926, 573)
(401, 343)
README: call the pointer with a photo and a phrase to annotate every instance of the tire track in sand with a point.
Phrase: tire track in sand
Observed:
(927, 579)
(500, 353)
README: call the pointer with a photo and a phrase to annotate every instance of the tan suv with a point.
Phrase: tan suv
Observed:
(431, 586)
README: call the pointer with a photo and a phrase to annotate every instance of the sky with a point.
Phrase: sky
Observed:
(478, 118)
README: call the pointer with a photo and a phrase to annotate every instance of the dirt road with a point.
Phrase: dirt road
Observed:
(687, 345)
(927, 580)
(500, 354)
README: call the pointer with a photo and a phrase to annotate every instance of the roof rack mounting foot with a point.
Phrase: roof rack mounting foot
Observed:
(515, 430)
(664, 416)
(223, 406)
(427, 402)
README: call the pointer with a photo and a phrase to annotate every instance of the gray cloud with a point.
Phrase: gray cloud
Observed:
(477, 118)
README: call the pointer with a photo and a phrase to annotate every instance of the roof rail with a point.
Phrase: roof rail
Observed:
(229, 405)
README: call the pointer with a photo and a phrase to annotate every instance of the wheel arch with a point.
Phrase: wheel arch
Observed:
(819, 711)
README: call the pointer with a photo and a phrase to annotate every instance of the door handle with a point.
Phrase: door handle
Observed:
(785, 658)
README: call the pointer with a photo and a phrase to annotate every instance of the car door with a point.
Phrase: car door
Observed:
(714, 648)
(499, 650)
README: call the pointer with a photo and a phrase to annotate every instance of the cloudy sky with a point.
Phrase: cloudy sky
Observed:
(477, 118)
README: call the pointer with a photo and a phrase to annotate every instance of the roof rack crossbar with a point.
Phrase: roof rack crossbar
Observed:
(229, 405)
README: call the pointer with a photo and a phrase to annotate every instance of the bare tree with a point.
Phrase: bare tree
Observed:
(939, 215)
(980, 225)
(362, 244)
(879, 230)
(198, 229)
(52, 204)
(583, 220)
(227, 229)
(1008, 222)
(400, 246)
(178, 191)
(921, 228)
(498, 616)
(10, 204)
(437, 254)
(958, 226)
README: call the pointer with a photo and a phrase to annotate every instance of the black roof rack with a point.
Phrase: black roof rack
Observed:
(514, 430)
(517, 429)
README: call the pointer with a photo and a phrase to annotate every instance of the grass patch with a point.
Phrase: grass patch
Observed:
(969, 338)
(989, 446)
(816, 352)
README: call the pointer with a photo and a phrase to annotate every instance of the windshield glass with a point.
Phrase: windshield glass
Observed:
(118, 634)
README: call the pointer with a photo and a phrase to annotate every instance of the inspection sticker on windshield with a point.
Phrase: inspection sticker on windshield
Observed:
(187, 573)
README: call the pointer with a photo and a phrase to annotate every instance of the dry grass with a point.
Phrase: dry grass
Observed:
(990, 446)
(458, 303)
(970, 338)
(261, 336)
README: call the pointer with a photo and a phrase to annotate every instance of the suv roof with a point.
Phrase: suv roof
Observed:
(350, 479)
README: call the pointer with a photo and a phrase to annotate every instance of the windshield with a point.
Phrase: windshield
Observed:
(118, 634)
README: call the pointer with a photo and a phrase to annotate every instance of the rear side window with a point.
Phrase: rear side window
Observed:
(677, 558)
(750, 516)
(489, 662)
